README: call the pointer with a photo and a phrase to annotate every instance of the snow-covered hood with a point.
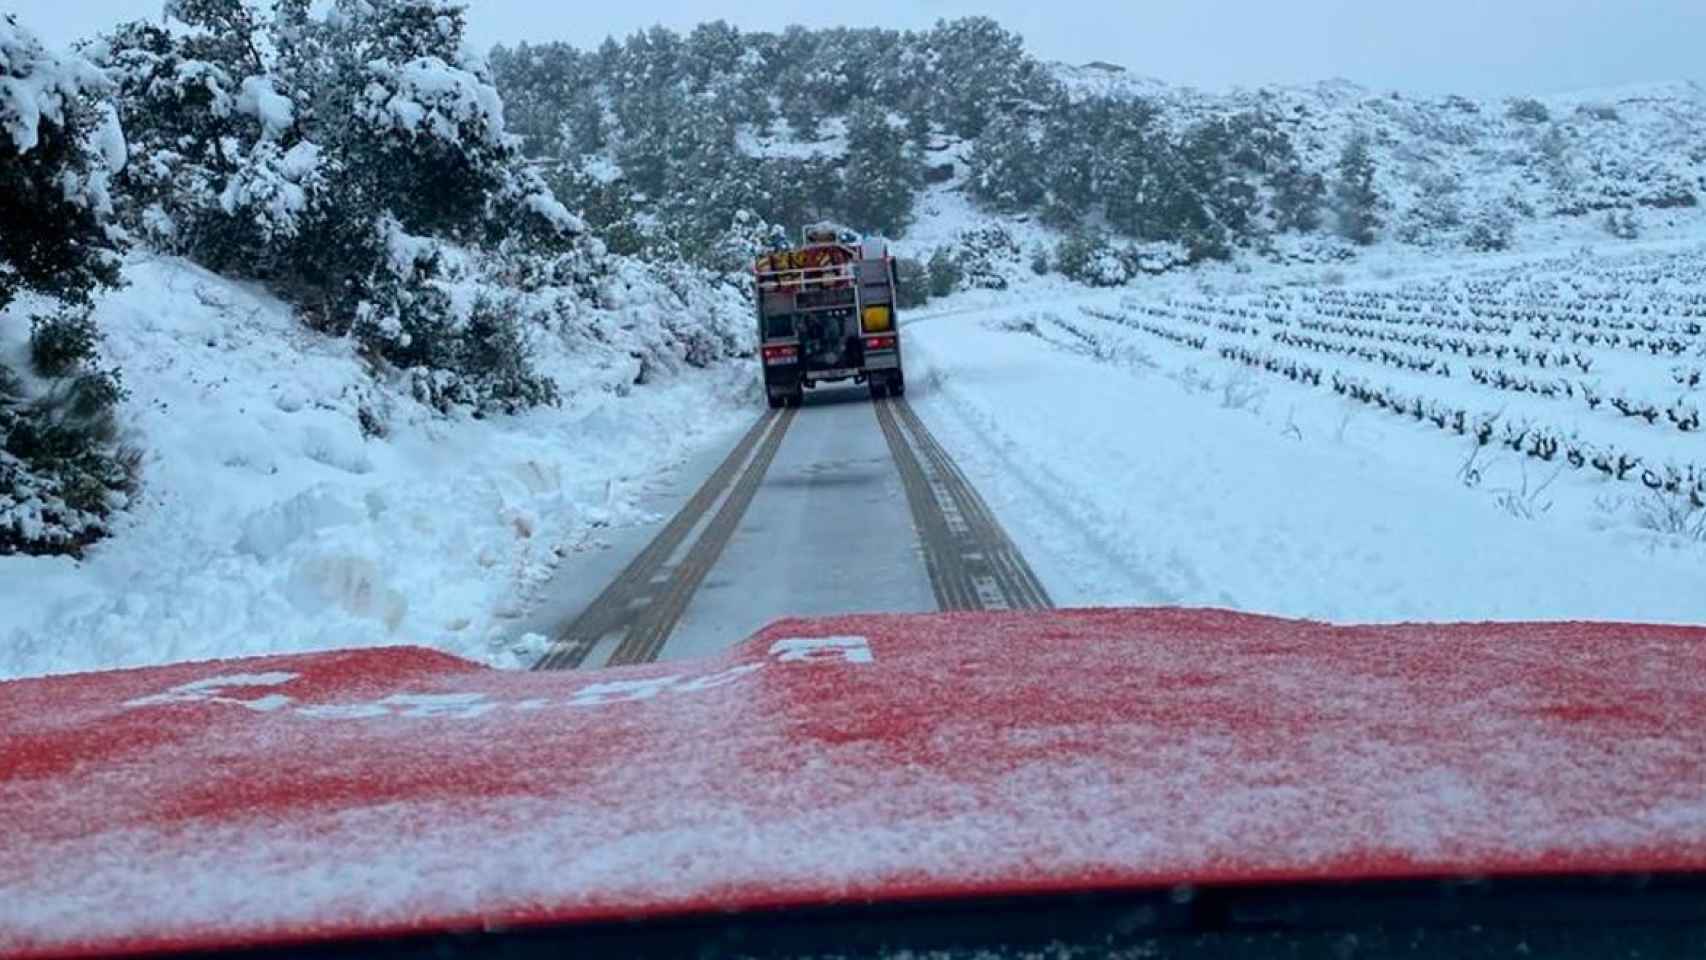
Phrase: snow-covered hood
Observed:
(861, 759)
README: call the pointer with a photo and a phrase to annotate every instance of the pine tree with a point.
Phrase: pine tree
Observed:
(585, 127)
(1070, 140)
(1356, 199)
(709, 53)
(983, 72)
(1297, 199)
(1007, 166)
(918, 123)
(882, 175)
(802, 117)
(60, 475)
(1134, 171)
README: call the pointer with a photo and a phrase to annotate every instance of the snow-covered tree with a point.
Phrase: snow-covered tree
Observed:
(983, 71)
(1357, 201)
(60, 474)
(1436, 214)
(1071, 139)
(1491, 229)
(802, 116)
(1297, 199)
(1007, 166)
(883, 174)
(322, 151)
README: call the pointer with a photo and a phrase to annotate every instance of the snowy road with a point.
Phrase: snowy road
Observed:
(843, 506)
(1128, 472)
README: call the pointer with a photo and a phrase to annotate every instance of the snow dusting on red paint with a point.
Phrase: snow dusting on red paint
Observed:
(284, 799)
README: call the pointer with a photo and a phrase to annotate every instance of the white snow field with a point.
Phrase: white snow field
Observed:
(1136, 463)
(269, 523)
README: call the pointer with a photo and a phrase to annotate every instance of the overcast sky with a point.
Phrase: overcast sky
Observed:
(1479, 47)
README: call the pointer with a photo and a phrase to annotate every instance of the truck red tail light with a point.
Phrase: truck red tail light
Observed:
(780, 355)
(879, 343)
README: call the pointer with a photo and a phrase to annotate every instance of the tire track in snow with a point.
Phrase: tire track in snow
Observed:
(613, 609)
(973, 564)
(645, 639)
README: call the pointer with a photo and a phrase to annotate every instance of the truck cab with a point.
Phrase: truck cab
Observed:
(826, 314)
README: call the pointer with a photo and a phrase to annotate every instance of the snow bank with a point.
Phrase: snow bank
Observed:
(269, 522)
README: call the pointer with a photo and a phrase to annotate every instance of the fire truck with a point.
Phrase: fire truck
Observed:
(826, 314)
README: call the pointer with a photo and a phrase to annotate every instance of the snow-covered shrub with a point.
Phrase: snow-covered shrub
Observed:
(945, 272)
(1527, 110)
(912, 283)
(1039, 260)
(61, 473)
(983, 256)
(1157, 257)
(747, 236)
(1492, 229)
(1672, 514)
(1622, 224)
(1089, 257)
(1435, 214)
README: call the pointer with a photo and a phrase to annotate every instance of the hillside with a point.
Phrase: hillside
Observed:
(1106, 175)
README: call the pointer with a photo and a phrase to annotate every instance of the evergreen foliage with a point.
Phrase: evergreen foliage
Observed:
(1356, 199)
(62, 472)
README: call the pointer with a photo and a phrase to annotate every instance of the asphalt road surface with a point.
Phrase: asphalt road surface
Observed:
(845, 505)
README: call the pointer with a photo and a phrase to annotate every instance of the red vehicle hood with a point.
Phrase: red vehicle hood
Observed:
(865, 759)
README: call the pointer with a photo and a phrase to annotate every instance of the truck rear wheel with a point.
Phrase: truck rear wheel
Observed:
(879, 389)
(775, 401)
(897, 384)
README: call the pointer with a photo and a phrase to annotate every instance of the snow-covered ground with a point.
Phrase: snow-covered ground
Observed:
(269, 523)
(1132, 469)
(1135, 470)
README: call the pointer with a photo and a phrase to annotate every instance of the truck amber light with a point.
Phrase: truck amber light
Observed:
(878, 319)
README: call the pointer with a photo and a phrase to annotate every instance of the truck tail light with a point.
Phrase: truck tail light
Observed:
(777, 355)
(879, 343)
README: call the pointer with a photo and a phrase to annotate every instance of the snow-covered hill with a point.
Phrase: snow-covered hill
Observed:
(1618, 147)
(1557, 165)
